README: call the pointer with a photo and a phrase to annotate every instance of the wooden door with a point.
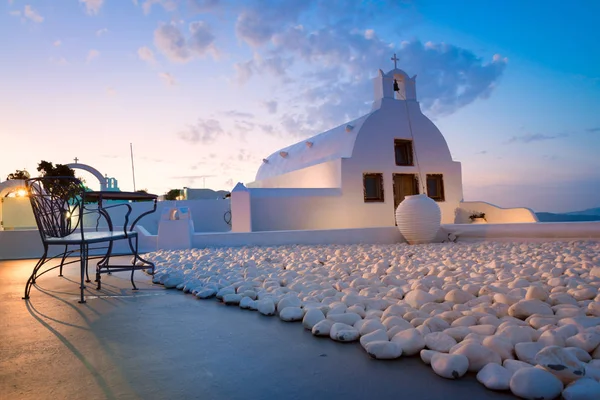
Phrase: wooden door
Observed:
(404, 185)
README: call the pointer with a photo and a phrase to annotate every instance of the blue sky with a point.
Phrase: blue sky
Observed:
(204, 89)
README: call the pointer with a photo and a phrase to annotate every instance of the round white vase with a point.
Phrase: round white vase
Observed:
(418, 218)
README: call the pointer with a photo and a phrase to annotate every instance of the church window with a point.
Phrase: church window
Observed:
(373, 187)
(404, 152)
(435, 187)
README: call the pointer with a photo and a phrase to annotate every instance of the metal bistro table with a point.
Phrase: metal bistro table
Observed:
(138, 262)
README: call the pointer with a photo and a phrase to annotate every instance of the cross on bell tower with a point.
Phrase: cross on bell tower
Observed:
(76, 159)
(395, 60)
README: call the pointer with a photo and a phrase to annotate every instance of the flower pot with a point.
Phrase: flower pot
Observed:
(478, 221)
(418, 218)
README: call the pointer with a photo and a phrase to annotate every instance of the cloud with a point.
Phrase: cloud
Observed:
(205, 131)
(57, 43)
(271, 106)
(178, 48)
(257, 24)
(145, 54)
(59, 61)
(593, 130)
(237, 114)
(92, 7)
(168, 78)
(101, 32)
(534, 137)
(343, 53)
(32, 15)
(168, 5)
(203, 5)
(92, 55)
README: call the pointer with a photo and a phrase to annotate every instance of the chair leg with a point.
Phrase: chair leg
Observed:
(87, 275)
(38, 265)
(62, 262)
(83, 268)
(135, 256)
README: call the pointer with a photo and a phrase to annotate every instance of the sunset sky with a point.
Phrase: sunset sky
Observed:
(204, 89)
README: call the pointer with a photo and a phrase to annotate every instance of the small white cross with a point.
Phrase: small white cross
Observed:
(395, 60)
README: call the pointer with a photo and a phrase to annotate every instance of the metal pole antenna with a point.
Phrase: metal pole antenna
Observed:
(132, 167)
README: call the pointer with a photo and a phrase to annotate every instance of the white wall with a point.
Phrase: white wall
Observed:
(27, 244)
(297, 209)
(16, 213)
(493, 214)
(208, 215)
(519, 232)
(325, 175)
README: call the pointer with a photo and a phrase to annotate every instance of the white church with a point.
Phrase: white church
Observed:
(355, 175)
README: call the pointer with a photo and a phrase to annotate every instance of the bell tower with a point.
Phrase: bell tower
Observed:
(396, 85)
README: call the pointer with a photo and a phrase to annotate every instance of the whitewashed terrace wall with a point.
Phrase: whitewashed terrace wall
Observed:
(493, 214)
(208, 215)
(27, 244)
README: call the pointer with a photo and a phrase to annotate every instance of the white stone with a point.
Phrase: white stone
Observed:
(383, 350)
(232, 299)
(516, 334)
(561, 363)
(391, 321)
(587, 341)
(501, 345)
(371, 325)
(426, 355)
(458, 333)
(449, 366)
(265, 307)
(206, 293)
(410, 340)
(345, 318)
(247, 304)
(225, 291)
(526, 351)
(535, 384)
(288, 301)
(458, 296)
(494, 377)
(525, 308)
(483, 330)
(582, 389)
(417, 298)
(343, 333)
(312, 317)
(291, 314)
(580, 354)
(515, 365)
(375, 336)
(322, 328)
(551, 338)
(439, 341)
(478, 355)
(536, 292)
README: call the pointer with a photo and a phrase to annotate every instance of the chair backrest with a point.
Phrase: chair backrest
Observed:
(56, 204)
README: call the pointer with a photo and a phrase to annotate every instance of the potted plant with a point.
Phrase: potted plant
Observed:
(477, 218)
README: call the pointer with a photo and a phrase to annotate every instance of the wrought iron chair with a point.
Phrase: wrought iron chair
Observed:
(59, 208)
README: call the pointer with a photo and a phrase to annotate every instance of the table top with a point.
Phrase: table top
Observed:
(108, 195)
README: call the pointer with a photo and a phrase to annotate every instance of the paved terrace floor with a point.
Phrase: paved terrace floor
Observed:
(162, 344)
